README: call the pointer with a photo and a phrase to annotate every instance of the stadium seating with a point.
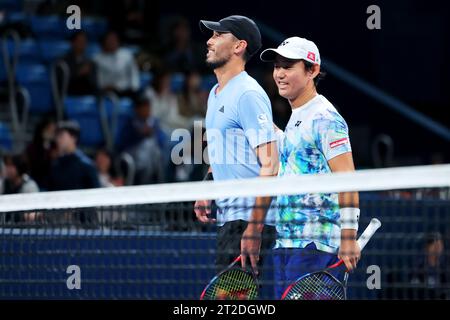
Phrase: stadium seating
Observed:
(53, 49)
(94, 27)
(48, 27)
(5, 138)
(28, 50)
(124, 113)
(84, 110)
(36, 78)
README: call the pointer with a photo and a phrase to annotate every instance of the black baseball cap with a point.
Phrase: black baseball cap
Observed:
(241, 27)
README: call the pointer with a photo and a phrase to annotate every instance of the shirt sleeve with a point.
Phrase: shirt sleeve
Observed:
(255, 118)
(280, 139)
(331, 135)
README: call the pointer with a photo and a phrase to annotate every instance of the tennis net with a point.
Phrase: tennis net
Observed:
(144, 242)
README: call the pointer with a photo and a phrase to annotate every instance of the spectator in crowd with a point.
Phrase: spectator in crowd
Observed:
(16, 178)
(431, 275)
(106, 173)
(116, 69)
(72, 169)
(192, 99)
(82, 79)
(183, 54)
(41, 151)
(145, 141)
(165, 103)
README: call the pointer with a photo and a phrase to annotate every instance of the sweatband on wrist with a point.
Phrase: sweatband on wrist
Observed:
(349, 218)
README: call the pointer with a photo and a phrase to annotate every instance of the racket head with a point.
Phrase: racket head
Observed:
(234, 283)
(320, 285)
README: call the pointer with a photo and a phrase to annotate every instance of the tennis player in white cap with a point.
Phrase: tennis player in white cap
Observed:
(313, 230)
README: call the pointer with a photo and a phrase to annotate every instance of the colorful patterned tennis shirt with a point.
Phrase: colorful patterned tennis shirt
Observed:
(315, 133)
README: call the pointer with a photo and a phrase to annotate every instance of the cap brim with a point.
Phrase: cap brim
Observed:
(207, 26)
(269, 55)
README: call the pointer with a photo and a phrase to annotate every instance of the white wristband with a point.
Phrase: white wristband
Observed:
(349, 218)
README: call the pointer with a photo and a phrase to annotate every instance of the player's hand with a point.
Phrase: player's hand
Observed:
(350, 253)
(202, 209)
(250, 246)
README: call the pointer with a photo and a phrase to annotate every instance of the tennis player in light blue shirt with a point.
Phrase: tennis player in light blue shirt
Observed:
(241, 142)
(238, 120)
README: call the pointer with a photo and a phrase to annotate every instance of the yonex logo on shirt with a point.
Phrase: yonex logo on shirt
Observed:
(298, 123)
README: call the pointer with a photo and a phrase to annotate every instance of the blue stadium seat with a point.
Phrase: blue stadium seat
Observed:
(36, 78)
(92, 49)
(54, 49)
(29, 51)
(16, 17)
(145, 79)
(48, 27)
(208, 82)
(84, 110)
(177, 82)
(126, 112)
(5, 138)
(94, 27)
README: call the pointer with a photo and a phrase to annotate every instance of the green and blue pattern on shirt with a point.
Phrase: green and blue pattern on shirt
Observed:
(315, 134)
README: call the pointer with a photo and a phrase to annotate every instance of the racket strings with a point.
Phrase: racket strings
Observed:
(234, 284)
(318, 286)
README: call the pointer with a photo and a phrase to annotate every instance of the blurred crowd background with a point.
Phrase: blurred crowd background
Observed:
(96, 107)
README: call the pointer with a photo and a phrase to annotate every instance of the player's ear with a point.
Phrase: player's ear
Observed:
(241, 45)
(314, 71)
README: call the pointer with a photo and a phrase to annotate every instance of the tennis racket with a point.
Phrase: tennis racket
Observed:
(233, 283)
(322, 285)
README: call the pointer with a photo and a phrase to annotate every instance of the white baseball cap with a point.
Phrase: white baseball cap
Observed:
(295, 48)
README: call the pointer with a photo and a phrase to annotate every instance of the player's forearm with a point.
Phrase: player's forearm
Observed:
(349, 199)
(348, 234)
(262, 203)
(259, 213)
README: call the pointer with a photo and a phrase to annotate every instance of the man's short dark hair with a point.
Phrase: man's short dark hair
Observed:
(431, 238)
(72, 127)
(141, 99)
(19, 161)
(309, 66)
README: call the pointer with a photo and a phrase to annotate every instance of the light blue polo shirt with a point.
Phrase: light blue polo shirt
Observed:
(238, 119)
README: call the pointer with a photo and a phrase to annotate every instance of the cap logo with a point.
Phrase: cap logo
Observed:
(285, 42)
(311, 56)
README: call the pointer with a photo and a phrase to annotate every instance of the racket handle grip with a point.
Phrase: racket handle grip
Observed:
(368, 233)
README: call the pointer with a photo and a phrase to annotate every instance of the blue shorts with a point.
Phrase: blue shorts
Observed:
(292, 263)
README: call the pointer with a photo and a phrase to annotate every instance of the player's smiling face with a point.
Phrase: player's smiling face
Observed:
(220, 49)
(290, 77)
